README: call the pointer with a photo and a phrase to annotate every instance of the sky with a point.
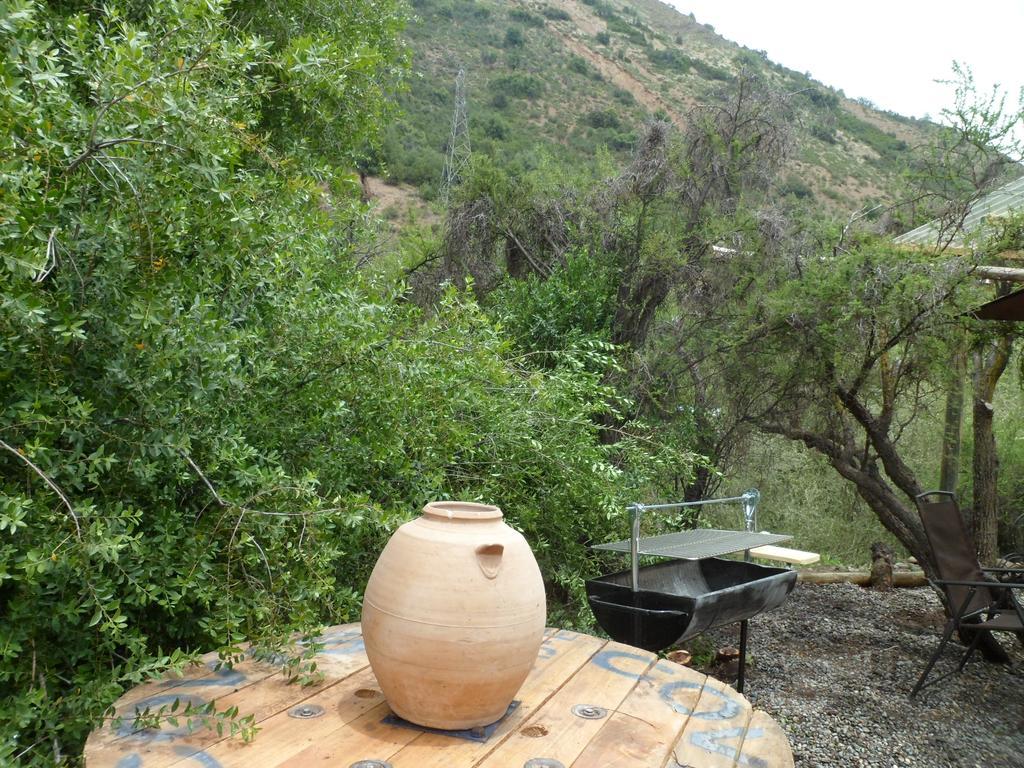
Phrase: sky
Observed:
(890, 52)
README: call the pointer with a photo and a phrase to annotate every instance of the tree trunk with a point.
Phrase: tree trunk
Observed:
(950, 470)
(886, 497)
(988, 367)
(881, 567)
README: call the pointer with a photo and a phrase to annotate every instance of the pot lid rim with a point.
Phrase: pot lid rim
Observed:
(462, 510)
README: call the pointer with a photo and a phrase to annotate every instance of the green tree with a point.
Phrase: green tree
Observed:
(151, 238)
(644, 236)
(211, 420)
(340, 65)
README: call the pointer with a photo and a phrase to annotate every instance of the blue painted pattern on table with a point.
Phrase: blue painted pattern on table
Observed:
(564, 635)
(338, 636)
(546, 651)
(339, 642)
(606, 660)
(127, 730)
(222, 676)
(728, 710)
(711, 741)
(345, 650)
(205, 759)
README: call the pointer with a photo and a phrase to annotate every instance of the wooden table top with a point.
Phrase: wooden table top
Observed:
(651, 712)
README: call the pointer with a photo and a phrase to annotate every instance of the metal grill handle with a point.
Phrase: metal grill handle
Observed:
(748, 499)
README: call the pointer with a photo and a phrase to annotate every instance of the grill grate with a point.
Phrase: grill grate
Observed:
(697, 544)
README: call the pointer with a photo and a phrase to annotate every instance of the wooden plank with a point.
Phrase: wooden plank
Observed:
(716, 728)
(343, 651)
(647, 724)
(203, 668)
(368, 738)
(785, 555)
(343, 656)
(765, 744)
(561, 655)
(554, 731)
(106, 743)
(271, 696)
(281, 736)
(657, 711)
(256, 688)
(365, 738)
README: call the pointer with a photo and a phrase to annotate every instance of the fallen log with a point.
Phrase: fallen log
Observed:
(861, 578)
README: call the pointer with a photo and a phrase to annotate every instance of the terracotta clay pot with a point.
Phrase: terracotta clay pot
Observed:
(453, 616)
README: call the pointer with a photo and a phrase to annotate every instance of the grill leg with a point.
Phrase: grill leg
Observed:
(741, 676)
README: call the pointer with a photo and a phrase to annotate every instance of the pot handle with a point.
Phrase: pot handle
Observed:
(488, 557)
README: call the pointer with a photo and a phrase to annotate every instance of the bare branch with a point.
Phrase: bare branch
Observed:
(93, 148)
(49, 482)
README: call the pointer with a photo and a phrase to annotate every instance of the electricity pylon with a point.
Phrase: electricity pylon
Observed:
(459, 150)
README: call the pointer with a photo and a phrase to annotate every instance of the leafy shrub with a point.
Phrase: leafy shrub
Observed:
(709, 71)
(545, 317)
(826, 133)
(602, 118)
(819, 98)
(514, 38)
(556, 14)
(495, 128)
(622, 141)
(581, 66)
(175, 240)
(603, 38)
(525, 17)
(623, 96)
(891, 148)
(517, 86)
(797, 187)
(617, 24)
(211, 421)
(679, 62)
(670, 58)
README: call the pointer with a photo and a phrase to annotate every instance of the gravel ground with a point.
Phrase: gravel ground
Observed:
(835, 664)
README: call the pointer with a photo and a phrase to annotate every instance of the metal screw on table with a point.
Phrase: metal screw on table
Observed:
(589, 711)
(306, 711)
(370, 764)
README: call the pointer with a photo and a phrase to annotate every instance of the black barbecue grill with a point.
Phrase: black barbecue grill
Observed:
(656, 606)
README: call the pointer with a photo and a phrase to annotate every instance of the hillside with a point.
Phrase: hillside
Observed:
(575, 76)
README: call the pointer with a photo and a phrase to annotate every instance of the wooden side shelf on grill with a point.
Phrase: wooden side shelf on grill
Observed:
(634, 710)
(785, 555)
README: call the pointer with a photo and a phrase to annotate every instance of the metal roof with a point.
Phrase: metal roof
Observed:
(1009, 307)
(1006, 199)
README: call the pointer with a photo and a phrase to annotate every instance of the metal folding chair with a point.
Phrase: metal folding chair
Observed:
(977, 602)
